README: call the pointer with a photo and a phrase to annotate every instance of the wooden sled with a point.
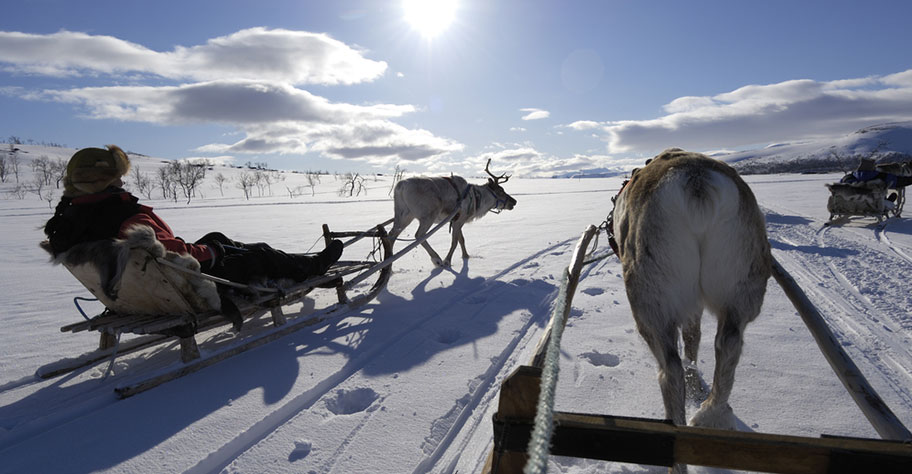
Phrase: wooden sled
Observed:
(864, 199)
(161, 296)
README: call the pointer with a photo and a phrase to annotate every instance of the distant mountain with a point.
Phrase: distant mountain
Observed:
(885, 143)
(594, 173)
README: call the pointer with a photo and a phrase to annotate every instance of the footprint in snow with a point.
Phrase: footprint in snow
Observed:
(448, 336)
(348, 402)
(601, 360)
(593, 291)
(301, 450)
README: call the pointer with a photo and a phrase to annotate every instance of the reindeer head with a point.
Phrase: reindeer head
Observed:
(504, 200)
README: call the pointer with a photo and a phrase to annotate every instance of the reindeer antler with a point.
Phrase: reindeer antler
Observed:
(497, 179)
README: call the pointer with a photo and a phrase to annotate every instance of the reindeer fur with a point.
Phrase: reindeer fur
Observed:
(691, 236)
(431, 200)
(109, 260)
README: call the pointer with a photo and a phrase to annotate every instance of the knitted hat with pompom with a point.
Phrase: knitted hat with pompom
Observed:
(91, 170)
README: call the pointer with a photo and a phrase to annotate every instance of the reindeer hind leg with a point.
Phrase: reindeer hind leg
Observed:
(695, 388)
(423, 227)
(715, 412)
(663, 344)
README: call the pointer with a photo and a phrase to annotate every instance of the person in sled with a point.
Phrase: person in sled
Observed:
(95, 206)
(867, 171)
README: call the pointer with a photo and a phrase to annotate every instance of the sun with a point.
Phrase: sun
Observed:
(429, 17)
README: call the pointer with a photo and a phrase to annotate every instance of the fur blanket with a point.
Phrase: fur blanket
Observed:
(860, 199)
(124, 275)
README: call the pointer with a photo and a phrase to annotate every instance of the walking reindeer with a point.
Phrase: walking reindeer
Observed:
(431, 200)
(690, 235)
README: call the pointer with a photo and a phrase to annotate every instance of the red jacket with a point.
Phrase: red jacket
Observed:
(164, 235)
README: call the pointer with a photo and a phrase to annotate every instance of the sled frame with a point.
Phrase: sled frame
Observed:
(158, 328)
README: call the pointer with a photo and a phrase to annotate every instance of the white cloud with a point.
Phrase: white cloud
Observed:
(379, 142)
(584, 125)
(225, 101)
(534, 114)
(760, 114)
(296, 57)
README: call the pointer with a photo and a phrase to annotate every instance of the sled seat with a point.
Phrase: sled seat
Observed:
(867, 198)
(141, 296)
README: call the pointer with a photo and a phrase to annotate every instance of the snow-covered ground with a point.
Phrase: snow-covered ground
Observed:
(409, 382)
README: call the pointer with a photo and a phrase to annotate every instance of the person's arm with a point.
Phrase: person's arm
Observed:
(163, 233)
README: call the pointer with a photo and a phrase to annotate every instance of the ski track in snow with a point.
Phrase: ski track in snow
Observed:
(451, 424)
(859, 316)
(881, 233)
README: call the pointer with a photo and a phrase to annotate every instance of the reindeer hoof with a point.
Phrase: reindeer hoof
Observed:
(718, 416)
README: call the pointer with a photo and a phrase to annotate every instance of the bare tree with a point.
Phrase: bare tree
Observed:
(19, 191)
(4, 169)
(220, 180)
(246, 182)
(58, 168)
(14, 165)
(397, 176)
(188, 176)
(272, 176)
(313, 179)
(259, 180)
(164, 181)
(43, 169)
(143, 183)
(352, 185)
(296, 191)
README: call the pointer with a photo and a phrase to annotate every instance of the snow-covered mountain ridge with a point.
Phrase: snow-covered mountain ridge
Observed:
(885, 143)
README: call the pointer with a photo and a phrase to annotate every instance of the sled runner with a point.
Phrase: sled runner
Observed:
(161, 296)
(865, 199)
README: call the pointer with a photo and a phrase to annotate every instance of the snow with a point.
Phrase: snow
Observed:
(409, 382)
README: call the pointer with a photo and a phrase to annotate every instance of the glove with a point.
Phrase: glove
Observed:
(219, 253)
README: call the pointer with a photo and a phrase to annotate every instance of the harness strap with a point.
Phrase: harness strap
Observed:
(612, 241)
(460, 196)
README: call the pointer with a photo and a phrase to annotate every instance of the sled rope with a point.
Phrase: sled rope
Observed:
(544, 414)
(540, 440)
(215, 279)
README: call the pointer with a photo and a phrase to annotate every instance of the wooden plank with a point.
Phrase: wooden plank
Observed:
(661, 443)
(874, 408)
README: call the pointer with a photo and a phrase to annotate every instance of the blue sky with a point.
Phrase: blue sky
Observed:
(540, 87)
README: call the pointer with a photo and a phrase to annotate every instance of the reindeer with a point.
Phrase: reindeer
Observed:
(690, 235)
(431, 200)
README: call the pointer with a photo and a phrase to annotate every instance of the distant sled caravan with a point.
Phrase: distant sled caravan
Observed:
(432, 200)
(690, 235)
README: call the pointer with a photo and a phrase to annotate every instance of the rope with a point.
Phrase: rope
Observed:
(544, 415)
(540, 440)
(76, 301)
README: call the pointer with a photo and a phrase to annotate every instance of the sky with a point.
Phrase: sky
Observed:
(538, 87)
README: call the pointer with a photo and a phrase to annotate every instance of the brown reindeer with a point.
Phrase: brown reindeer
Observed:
(690, 235)
(431, 200)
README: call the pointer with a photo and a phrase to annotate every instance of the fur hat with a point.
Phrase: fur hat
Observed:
(91, 170)
(866, 164)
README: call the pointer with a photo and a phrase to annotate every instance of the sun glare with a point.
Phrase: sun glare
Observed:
(429, 17)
